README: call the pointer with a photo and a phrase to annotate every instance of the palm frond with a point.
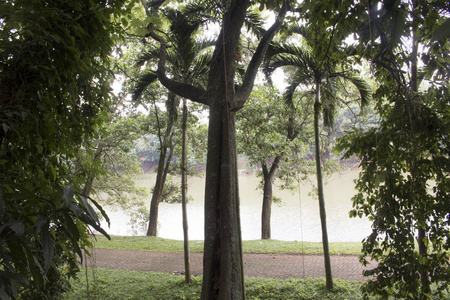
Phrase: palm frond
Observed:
(288, 54)
(328, 102)
(201, 66)
(205, 11)
(146, 57)
(204, 44)
(288, 95)
(285, 59)
(361, 85)
(142, 83)
(299, 29)
(254, 24)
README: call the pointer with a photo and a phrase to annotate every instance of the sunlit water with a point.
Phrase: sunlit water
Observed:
(296, 219)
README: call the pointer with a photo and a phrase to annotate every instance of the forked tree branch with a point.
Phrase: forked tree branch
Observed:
(249, 78)
(182, 89)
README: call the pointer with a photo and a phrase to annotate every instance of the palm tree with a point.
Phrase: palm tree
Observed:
(318, 71)
(189, 63)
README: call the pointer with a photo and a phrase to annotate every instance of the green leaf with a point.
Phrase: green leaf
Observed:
(89, 210)
(47, 248)
(68, 194)
(16, 226)
(5, 128)
(2, 206)
(53, 171)
(13, 276)
(102, 211)
(157, 21)
(442, 31)
(41, 223)
(39, 148)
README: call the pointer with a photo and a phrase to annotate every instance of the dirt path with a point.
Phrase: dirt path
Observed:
(255, 265)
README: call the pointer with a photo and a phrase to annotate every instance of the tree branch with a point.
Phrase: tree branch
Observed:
(252, 69)
(147, 11)
(182, 89)
(275, 165)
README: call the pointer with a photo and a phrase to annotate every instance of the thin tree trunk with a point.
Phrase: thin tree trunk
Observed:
(161, 175)
(87, 188)
(269, 176)
(156, 196)
(267, 204)
(423, 251)
(323, 217)
(187, 259)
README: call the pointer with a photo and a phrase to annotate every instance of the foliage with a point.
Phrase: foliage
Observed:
(269, 128)
(53, 86)
(107, 166)
(122, 284)
(404, 181)
(271, 133)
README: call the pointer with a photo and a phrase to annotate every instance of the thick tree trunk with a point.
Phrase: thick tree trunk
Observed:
(187, 259)
(223, 272)
(323, 216)
(223, 275)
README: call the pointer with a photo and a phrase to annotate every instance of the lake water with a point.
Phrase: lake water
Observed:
(297, 219)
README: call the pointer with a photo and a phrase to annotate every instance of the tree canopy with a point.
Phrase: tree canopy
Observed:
(54, 85)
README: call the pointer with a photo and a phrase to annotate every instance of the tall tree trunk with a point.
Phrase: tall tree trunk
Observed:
(323, 216)
(422, 236)
(269, 176)
(223, 271)
(223, 274)
(187, 259)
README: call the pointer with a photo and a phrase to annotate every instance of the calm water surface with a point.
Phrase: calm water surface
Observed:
(297, 219)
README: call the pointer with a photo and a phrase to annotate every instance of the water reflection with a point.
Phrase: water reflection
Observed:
(297, 218)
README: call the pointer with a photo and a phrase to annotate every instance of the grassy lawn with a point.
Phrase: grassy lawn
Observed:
(143, 243)
(122, 284)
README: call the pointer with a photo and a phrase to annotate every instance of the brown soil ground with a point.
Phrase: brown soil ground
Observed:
(255, 265)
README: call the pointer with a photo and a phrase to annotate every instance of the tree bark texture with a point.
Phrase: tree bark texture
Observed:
(223, 275)
(323, 216)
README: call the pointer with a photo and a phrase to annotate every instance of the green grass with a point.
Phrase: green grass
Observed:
(122, 284)
(155, 244)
